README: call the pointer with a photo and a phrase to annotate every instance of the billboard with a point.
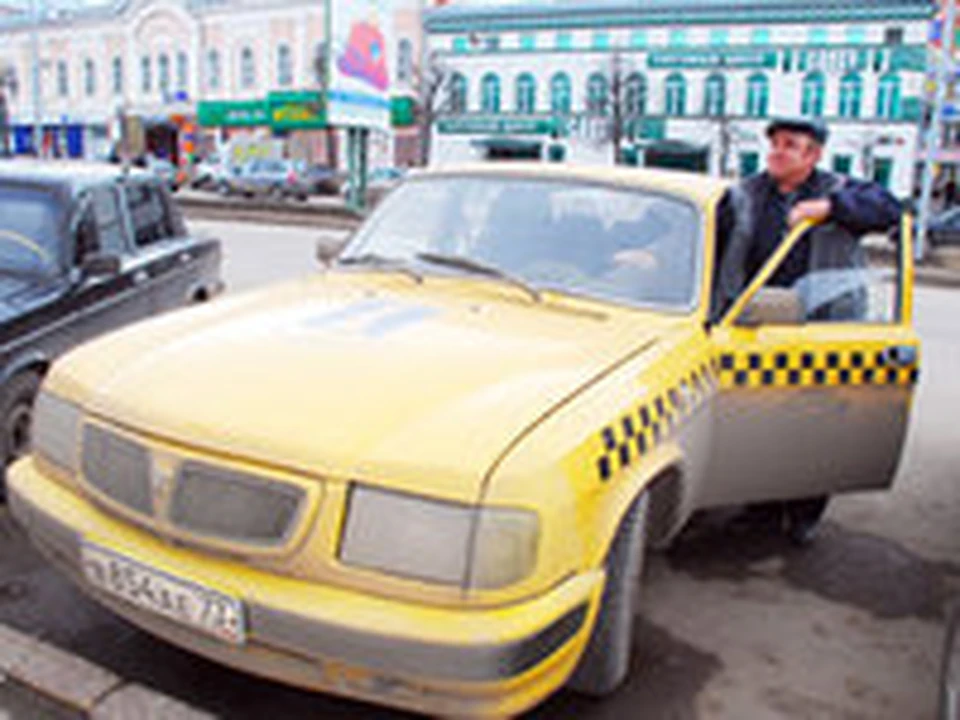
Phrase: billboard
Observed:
(360, 63)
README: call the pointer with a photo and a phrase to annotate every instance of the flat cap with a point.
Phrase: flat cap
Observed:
(814, 127)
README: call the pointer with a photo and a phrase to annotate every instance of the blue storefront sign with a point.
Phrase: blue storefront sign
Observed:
(23, 140)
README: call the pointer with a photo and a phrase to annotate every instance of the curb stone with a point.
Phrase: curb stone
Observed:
(82, 685)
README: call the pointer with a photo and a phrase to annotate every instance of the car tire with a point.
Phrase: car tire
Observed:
(16, 412)
(803, 518)
(606, 660)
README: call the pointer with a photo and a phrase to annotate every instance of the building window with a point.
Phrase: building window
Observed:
(163, 73)
(811, 103)
(526, 94)
(638, 39)
(675, 100)
(851, 91)
(856, 35)
(458, 94)
(817, 36)
(758, 95)
(404, 61)
(460, 45)
(787, 63)
(116, 70)
(213, 70)
(248, 70)
(598, 94)
(89, 78)
(285, 66)
(183, 70)
(719, 37)
(749, 163)
(678, 38)
(146, 75)
(635, 97)
(893, 36)
(888, 98)
(490, 93)
(560, 92)
(601, 40)
(715, 96)
(528, 42)
(842, 164)
(760, 36)
(63, 79)
(564, 41)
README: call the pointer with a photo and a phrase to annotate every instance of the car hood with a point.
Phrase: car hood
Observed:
(357, 376)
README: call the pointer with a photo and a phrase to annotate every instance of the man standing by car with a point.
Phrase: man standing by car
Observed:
(753, 220)
(758, 212)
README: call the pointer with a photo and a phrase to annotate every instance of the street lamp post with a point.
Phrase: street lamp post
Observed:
(36, 13)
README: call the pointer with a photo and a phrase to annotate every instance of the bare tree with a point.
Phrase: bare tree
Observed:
(618, 104)
(433, 82)
(322, 77)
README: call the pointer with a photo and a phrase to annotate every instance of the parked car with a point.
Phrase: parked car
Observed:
(426, 477)
(944, 228)
(210, 171)
(267, 178)
(168, 173)
(322, 179)
(380, 182)
(83, 249)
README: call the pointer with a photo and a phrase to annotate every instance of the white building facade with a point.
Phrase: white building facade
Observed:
(171, 64)
(699, 81)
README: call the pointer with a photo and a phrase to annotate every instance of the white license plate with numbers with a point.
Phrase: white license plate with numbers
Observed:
(163, 594)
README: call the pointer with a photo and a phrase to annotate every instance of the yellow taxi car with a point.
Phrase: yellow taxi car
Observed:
(425, 477)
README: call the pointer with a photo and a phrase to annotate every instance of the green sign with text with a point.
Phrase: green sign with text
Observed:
(232, 113)
(495, 126)
(691, 59)
(304, 110)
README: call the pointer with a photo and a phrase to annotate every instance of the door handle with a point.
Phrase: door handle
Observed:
(899, 355)
(140, 277)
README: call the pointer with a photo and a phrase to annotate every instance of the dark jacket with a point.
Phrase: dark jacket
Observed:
(752, 221)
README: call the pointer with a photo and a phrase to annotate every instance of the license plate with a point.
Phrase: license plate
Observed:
(158, 592)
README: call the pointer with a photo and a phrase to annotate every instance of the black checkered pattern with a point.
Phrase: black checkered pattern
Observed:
(823, 367)
(637, 433)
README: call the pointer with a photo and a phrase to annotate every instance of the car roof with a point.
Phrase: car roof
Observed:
(64, 173)
(698, 188)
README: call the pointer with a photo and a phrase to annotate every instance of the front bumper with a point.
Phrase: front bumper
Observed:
(465, 662)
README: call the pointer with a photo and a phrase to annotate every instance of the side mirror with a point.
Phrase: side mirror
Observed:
(98, 265)
(328, 251)
(773, 306)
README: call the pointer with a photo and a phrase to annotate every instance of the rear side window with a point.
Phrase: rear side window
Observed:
(30, 232)
(149, 215)
(106, 208)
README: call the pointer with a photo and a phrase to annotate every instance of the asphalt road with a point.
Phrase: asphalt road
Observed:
(735, 624)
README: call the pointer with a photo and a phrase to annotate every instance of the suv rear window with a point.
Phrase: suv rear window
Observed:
(29, 230)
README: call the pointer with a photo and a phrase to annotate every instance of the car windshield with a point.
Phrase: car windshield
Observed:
(607, 243)
(29, 228)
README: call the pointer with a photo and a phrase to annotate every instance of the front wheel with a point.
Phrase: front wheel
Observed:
(606, 660)
(16, 414)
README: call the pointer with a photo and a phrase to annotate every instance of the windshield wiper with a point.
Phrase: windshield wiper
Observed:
(384, 262)
(466, 264)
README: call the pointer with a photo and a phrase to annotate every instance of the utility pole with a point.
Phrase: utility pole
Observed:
(935, 130)
(36, 13)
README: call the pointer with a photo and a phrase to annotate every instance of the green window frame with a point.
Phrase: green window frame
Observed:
(560, 94)
(857, 35)
(458, 94)
(719, 37)
(758, 96)
(813, 95)
(601, 40)
(851, 95)
(818, 36)
(843, 164)
(526, 94)
(490, 93)
(677, 38)
(528, 41)
(675, 95)
(749, 163)
(564, 41)
(715, 95)
(883, 171)
(760, 36)
(888, 97)
(638, 39)
(635, 96)
(461, 45)
(598, 95)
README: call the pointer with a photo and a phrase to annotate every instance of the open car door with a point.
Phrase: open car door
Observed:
(810, 407)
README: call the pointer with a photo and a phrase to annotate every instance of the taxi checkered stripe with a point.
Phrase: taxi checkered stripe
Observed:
(813, 368)
(640, 431)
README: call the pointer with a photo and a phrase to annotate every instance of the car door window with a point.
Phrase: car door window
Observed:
(86, 234)
(109, 220)
(152, 222)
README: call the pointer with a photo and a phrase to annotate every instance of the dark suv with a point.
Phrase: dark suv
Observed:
(84, 248)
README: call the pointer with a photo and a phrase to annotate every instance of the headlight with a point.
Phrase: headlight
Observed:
(436, 541)
(56, 428)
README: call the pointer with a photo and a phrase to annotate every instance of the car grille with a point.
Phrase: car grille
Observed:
(205, 501)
